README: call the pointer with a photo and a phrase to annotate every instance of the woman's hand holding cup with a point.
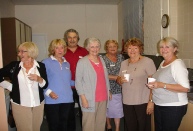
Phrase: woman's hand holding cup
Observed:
(151, 83)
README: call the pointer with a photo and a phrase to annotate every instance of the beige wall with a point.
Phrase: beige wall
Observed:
(181, 18)
(120, 24)
(7, 8)
(152, 27)
(99, 21)
(185, 30)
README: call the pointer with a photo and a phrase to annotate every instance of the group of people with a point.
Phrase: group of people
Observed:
(107, 87)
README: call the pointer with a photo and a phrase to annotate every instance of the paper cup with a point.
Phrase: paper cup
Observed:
(151, 80)
(127, 77)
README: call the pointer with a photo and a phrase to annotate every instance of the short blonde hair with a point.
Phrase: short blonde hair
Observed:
(110, 41)
(91, 40)
(31, 49)
(170, 41)
(54, 43)
(135, 42)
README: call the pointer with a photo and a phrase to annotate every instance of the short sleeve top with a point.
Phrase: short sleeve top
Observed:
(113, 69)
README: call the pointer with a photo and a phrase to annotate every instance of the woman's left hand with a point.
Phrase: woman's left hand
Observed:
(150, 108)
(34, 77)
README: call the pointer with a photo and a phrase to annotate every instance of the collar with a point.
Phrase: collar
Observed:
(53, 58)
(78, 48)
(35, 64)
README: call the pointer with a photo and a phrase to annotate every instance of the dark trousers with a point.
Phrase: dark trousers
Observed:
(136, 118)
(57, 116)
(168, 118)
(72, 119)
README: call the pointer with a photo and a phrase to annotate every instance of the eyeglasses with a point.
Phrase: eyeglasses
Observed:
(21, 51)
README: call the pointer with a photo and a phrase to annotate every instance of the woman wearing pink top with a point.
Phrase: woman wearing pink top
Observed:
(92, 85)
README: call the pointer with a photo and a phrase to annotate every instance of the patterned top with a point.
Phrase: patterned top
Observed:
(113, 69)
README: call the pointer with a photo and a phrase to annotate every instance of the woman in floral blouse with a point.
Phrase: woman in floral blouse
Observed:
(113, 63)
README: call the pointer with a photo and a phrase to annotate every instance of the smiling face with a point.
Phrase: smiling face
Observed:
(167, 50)
(72, 39)
(27, 51)
(112, 48)
(23, 54)
(94, 48)
(133, 51)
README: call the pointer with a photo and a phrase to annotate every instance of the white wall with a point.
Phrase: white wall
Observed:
(180, 27)
(99, 21)
(185, 30)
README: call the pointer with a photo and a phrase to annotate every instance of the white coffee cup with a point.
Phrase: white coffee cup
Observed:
(127, 77)
(151, 80)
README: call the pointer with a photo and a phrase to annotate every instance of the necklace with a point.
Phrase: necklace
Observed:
(129, 60)
(95, 63)
(132, 72)
(94, 59)
(112, 58)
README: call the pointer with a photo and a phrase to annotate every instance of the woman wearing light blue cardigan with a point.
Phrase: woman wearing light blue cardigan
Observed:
(90, 69)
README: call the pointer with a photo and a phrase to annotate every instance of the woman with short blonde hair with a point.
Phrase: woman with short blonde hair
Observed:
(28, 78)
(58, 95)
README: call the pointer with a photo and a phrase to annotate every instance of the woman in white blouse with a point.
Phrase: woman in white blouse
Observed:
(28, 81)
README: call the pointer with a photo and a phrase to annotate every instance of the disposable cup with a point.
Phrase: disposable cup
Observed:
(127, 77)
(151, 80)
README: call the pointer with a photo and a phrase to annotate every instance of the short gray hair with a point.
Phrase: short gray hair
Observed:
(91, 40)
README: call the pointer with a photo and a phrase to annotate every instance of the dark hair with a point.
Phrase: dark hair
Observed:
(68, 31)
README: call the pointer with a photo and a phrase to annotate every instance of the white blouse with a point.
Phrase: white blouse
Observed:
(29, 92)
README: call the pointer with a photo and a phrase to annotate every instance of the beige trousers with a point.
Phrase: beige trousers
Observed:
(28, 118)
(95, 121)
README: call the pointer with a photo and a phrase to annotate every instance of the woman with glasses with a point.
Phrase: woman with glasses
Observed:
(137, 104)
(28, 81)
